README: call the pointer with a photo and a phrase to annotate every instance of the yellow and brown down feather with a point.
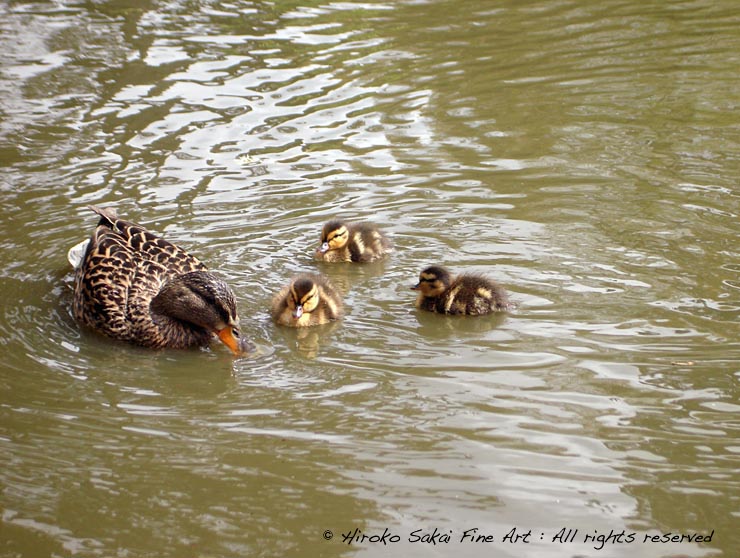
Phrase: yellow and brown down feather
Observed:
(467, 294)
(308, 300)
(352, 242)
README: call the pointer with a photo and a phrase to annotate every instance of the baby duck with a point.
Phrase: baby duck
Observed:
(352, 242)
(468, 294)
(309, 300)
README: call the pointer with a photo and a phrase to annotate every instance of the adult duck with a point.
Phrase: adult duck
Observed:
(132, 285)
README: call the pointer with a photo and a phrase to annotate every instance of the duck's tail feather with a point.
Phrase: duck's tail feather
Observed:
(108, 215)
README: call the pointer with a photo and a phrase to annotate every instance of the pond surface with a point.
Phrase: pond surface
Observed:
(583, 154)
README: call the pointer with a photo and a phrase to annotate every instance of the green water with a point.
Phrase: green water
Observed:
(583, 154)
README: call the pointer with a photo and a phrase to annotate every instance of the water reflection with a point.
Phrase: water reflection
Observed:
(579, 153)
(307, 341)
(436, 326)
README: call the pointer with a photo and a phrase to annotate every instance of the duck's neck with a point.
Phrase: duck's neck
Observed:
(178, 334)
(162, 329)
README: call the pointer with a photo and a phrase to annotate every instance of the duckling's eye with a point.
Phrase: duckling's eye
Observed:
(235, 331)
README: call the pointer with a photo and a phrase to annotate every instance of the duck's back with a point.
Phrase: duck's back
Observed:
(145, 245)
(472, 295)
(367, 243)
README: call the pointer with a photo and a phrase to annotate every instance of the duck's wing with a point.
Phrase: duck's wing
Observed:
(146, 245)
(109, 284)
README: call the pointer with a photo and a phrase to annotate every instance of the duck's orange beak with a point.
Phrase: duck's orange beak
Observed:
(236, 344)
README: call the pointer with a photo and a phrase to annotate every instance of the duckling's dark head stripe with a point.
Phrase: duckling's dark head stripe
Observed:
(309, 296)
(339, 233)
(302, 290)
(332, 230)
(436, 272)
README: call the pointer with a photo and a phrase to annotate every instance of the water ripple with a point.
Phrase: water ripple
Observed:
(579, 154)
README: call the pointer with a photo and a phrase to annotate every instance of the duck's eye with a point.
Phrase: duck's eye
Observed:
(235, 331)
(339, 233)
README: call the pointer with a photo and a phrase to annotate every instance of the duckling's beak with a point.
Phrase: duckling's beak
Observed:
(237, 345)
(298, 312)
(416, 287)
(324, 248)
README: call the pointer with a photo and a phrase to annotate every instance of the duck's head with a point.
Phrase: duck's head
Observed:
(334, 236)
(205, 300)
(303, 297)
(433, 281)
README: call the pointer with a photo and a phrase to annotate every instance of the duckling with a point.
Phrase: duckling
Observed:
(308, 300)
(352, 242)
(134, 286)
(468, 293)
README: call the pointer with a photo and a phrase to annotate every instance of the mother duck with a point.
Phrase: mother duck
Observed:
(134, 286)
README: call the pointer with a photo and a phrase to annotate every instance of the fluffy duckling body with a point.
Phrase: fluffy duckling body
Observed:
(134, 286)
(352, 242)
(308, 300)
(466, 294)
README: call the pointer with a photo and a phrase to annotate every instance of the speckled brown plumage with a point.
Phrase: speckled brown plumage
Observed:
(135, 286)
(467, 294)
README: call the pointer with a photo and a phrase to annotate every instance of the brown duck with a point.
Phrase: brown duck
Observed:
(134, 286)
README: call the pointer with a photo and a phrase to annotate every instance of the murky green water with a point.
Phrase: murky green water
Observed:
(583, 154)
